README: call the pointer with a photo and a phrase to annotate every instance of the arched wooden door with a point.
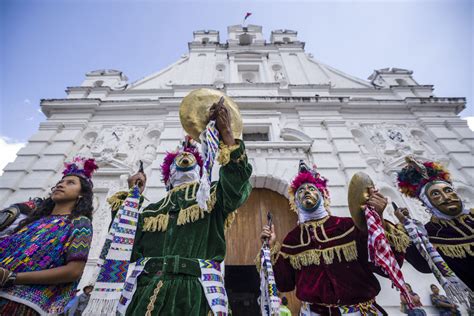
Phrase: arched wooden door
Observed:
(243, 244)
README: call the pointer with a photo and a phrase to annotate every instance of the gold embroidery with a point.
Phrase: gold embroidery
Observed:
(163, 205)
(224, 153)
(455, 251)
(182, 186)
(335, 237)
(434, 238)
(194, 212)
(229, 220)
(151, 305)
(156, 223)
(313, 256)
(397, 237)
(275, 252)
(191, 197)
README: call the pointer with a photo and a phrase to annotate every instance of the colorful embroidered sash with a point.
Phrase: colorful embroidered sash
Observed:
(269, 300)
(455, 289)
(131, 285)
(114, 258)
(212, 282)
(210, 146)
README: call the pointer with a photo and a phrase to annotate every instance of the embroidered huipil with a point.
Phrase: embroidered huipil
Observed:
(327, 262)
(176, 228)
(47, 243)
(454, 240)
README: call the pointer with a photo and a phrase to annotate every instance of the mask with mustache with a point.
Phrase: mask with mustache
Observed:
(441, 198)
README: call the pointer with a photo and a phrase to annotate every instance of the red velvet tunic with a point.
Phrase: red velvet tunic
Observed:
(454, 240)
(327, 262)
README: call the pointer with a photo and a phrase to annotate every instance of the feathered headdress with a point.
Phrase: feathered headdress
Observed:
(81, 167)
(307, 175)
(188, 145)
(415, 175)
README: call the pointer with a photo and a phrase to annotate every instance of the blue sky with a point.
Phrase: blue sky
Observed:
(46, 46)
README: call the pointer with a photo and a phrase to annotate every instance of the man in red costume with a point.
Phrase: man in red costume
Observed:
(325, 257)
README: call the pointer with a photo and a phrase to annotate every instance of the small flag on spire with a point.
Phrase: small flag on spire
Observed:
(247, 15)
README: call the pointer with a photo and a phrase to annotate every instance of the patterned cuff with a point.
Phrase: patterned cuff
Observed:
(225, 152)
(397, 237)
(274, 254)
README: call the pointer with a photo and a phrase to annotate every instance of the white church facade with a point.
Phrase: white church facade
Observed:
(293, 107)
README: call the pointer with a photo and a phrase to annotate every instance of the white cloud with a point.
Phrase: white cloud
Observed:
(31, 118)
(8, 148)
(27, 101)
(470, 122)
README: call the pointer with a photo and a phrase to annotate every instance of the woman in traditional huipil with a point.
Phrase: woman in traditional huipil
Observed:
(325, 257)
(42, 261)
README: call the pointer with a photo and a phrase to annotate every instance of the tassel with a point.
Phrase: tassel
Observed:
(313, 256)
(203, 193)
(101, 306)
(156, 223)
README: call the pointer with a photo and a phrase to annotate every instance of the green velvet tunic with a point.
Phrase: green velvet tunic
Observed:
(176, 228)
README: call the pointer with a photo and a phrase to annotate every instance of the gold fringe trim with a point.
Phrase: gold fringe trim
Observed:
(156, 223)
(313, 256)
(116, 200)
(455, 251)
(460, 218)
(224, 153)
(151, 305)
(194, 212)
(291, 200)
(275, 252)
(397, 237)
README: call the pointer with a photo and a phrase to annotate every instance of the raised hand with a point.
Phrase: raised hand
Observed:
(268, 234)
(221, 115)
(402, 214)
(138, 178)
(377, 200)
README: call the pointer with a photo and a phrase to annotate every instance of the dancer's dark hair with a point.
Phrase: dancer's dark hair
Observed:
(83, 206)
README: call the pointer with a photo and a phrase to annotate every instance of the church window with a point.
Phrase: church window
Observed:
(205, 40)
(248, 77)
(256, 133)
(255, 137)
(249, 73)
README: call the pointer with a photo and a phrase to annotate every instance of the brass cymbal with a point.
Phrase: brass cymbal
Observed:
(357, 197)
(194, 112)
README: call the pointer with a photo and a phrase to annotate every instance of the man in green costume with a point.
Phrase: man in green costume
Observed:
(176, 234)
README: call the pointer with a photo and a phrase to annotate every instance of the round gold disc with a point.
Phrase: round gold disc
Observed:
(194, 112)
(358, 195)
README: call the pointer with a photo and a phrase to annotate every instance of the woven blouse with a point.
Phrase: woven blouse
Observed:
(47, 243)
